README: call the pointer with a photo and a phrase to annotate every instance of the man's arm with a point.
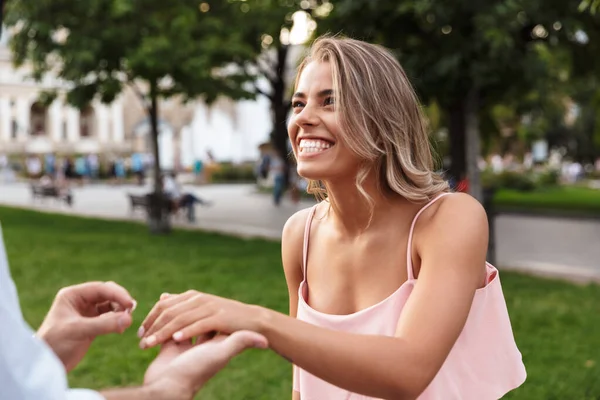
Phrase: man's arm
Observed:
(29, 370)
(151, 392)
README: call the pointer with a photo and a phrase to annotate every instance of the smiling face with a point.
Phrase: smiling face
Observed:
(314, 129)
(357, 120)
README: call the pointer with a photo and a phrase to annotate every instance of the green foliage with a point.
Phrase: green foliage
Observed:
(172, 48)
(592, 5)
(522, 181)
(520, 54)
(514, 180)
(227, 172)
(447, 48)
(548, 178)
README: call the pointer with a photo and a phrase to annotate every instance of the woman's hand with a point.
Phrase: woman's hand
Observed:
(190, 314)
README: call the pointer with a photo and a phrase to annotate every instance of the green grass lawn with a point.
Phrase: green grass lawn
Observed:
(556, 324)
(571, 199)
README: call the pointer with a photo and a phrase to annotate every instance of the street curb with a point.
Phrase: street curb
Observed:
(548, 213)
(237, 230)
(579, 275)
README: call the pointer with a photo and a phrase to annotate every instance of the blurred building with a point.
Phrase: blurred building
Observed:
(228, 130)
(29, 127)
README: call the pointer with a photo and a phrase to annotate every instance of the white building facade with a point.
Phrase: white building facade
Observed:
(29, 127)
(230, 131)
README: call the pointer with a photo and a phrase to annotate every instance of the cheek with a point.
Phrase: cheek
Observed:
(292, 133)
(333, 127)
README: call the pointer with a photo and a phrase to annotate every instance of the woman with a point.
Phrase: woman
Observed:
(387, 278)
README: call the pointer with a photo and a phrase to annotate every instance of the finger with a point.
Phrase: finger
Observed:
(165, 326)
(114, 306)
(242, 340)
(103, 308)
(174, 347)
(159, 307)
(176, 311)
(205, 327)
(168, 352)
(100, 292)
(112, 322)
(204, 337)
(205, 361)
(199, 364)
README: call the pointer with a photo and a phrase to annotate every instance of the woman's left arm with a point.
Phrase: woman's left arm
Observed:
(451, 246)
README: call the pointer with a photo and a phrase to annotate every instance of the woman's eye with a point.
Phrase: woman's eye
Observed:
(328, 101)
(296, 104)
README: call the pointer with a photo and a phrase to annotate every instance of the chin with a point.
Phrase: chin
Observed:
(312, 171)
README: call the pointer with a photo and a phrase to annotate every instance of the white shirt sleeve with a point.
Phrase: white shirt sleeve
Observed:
(29, 369)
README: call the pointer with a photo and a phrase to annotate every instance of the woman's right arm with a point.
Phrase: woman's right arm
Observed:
(291, 253)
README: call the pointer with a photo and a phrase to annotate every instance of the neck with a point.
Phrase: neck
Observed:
(350, 212)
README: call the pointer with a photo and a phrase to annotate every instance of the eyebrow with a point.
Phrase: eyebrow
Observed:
(322, 93)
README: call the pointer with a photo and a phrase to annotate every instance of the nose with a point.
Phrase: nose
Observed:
(307, 117)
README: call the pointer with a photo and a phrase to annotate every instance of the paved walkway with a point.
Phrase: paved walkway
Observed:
(568, 248)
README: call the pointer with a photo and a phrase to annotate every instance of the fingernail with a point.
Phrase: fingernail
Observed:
(164, 296)
(122, 322)
(150, 340)
(134, 306)
(141, 332)
(177, 336)
(143, 344)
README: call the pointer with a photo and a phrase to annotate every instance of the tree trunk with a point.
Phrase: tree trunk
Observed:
(279, 110)
(465, 148)
(473, 143)
(1, 16)
(158, 208)
(472, 152)
(457, 140)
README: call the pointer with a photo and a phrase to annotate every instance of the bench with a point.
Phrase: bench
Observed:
(137, 201)
(43, 192)
(140, 201)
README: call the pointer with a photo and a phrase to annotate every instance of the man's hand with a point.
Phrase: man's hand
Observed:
(181, 369)
(82, 312)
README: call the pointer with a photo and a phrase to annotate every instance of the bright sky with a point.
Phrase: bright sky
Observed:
(302, 27)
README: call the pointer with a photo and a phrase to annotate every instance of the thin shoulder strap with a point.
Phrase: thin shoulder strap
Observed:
(410, 272)
(311, 214)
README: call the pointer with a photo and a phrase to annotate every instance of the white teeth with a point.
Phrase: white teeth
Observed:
(313, 146)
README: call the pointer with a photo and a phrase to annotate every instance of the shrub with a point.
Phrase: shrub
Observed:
(548, 178)
(508, 180)
(227, 172)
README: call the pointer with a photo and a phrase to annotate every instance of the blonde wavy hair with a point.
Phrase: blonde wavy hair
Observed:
(381, 119)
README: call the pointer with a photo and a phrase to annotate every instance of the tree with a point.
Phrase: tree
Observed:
(592, 5)
(159, 48)
(1, 16)
(469, 56)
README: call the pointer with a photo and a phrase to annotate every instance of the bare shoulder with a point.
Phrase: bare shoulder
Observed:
(292, 240)
(454, 232)
(457, 212)
(293, 230)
